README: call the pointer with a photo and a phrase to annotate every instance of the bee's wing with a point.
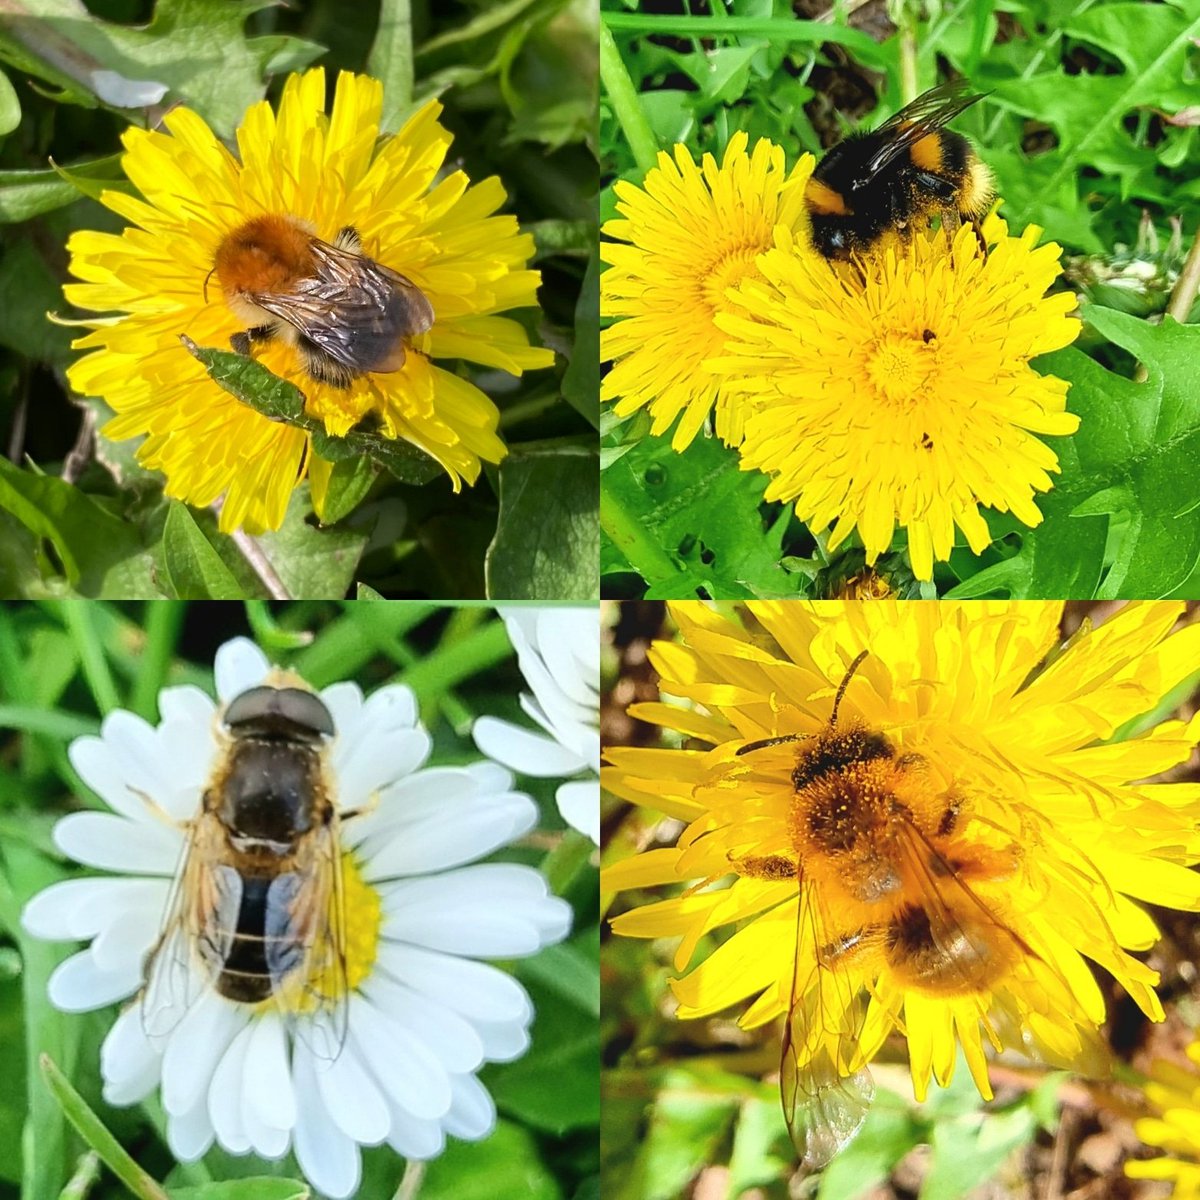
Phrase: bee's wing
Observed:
(826, 1093)
(305, 928)
(354, 310)
(198, 926)
(928, 113)
(960, 919)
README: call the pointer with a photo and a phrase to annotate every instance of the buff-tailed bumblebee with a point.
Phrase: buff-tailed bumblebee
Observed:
(896, 179)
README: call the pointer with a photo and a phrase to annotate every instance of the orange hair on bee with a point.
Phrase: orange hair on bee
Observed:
(267, 254)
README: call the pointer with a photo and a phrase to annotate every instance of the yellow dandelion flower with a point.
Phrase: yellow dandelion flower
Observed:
(324, 173)
(688, 235)
(901, 393)
(1174, 1093)
(913, 814)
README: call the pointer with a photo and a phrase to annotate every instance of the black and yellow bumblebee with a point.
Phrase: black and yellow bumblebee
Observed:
(894, 180)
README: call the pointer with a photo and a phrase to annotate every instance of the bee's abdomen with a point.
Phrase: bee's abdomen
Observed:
(246, 976)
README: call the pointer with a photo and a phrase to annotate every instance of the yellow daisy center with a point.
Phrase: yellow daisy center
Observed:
(734, 265)
(900, 367)
(358, 914)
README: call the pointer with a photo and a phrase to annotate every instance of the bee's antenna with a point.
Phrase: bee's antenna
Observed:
(773, 741)
(796, 737)
(837, 700)
(206, 279)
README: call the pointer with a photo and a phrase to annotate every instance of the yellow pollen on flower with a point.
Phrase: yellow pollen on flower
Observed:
(727, 272)
(900, 368)
(355, 916)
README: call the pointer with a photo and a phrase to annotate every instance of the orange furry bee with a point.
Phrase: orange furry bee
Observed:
(346, 314)
(890, 885)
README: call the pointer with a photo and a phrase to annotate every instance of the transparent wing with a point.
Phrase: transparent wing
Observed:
(977, 949)
(198, 925)
(305, 948)
(826, 1093)
(926, 114)
(355, 310)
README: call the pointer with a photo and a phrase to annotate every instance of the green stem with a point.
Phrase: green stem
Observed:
(163, 621)
(448, 665)
(626, 106)
(84, 1178)
(79, 618)
(96, 1134)
(630, 536)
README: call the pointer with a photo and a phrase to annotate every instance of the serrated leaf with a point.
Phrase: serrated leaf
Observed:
(195, 48)
(251, 382)
(193, 566)
(547, 534)
(702, 516)
(1135, 443)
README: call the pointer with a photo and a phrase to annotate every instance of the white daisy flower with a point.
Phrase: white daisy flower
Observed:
(559, 653)
(384, 1048)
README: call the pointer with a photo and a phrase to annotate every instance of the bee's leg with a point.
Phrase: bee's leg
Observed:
(771, 866)
(348, 239)
(978, 227)
(242, 342)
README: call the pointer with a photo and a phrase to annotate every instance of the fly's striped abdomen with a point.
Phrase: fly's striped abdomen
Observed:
(246, 976)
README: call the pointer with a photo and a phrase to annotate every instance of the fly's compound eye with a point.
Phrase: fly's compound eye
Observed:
(279, 710)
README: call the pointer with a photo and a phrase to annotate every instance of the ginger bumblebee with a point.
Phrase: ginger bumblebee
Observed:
(346, 314)
(891, 879)
(894, 180)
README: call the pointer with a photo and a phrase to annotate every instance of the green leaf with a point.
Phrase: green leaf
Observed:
(691, 523)
(503, 1165)
(970, 1151)
(690, 1118)
(566, 1048)
(363, 591)
(25, 194)
(87, 538)
(250, 382)
(313, 563)
(194, 568)
(95, 1133)
(888, 1134)
(195, 48)
(547, 534)
(581, 380)
(349, 482)
(570, 970)
(255, 1188)
(10, 106)
(28, 288)
(1136, 442)
(391, 61)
